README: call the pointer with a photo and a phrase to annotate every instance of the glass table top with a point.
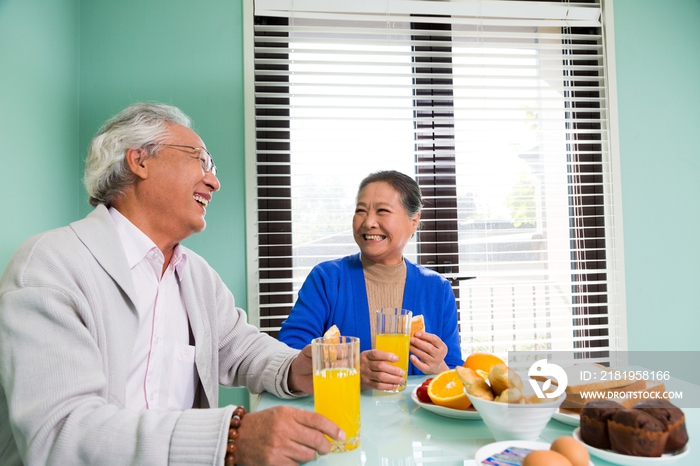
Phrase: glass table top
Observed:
(396, 431)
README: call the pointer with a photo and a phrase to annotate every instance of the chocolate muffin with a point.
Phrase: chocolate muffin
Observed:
(636, 433)
(671, 417)
(594, 422)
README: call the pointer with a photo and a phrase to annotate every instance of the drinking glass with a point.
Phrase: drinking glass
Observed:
(336, 372)
(393, 334)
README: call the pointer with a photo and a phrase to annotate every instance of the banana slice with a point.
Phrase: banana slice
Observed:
(511, 395)
(475, 385)
(501, 378)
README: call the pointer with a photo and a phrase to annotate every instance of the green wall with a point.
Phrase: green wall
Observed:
(67, 65)
(39, 153)
(658, 82)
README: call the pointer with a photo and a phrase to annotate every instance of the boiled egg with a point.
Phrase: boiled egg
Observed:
(574, 450)
(545, 458)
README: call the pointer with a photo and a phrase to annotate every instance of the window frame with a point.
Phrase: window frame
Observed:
(616, 305)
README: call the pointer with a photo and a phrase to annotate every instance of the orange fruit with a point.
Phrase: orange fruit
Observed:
(482, 363)
(417, 324)
(446, 389)
(333, 334)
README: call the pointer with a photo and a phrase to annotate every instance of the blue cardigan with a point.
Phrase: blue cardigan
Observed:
(335, 293)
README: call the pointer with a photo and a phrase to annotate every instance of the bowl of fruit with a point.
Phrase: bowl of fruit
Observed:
(506, 409)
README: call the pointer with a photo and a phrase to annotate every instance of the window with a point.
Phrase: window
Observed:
(499, 109)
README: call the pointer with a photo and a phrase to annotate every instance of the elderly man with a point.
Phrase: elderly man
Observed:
(114, 336)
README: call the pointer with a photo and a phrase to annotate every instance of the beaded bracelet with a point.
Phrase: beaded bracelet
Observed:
(236, 418)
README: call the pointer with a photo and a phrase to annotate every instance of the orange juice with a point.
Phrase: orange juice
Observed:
(397, 343)
(337, 396)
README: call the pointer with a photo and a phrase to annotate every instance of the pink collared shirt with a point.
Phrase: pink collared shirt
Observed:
(163, 375)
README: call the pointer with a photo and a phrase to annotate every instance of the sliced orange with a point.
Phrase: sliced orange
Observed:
(446, 389)
(482, 363)
(332, 334)
(417, 324)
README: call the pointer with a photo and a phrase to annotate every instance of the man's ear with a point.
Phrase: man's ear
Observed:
(136, 159)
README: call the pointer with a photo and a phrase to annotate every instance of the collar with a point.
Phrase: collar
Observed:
(138, 246)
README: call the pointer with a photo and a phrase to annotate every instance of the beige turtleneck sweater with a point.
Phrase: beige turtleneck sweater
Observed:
(385, 284)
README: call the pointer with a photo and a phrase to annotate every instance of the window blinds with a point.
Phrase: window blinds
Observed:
(499, 109)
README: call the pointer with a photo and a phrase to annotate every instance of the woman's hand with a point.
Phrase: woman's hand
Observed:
(428, 353)
(284, 436)
(377, 372)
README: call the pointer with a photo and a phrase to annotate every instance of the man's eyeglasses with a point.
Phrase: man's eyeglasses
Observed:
(205, 159)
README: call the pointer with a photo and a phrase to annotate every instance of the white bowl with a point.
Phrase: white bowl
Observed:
(508, 421)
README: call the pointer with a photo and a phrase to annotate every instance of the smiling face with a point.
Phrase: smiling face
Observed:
(173, 190)
(381, 226)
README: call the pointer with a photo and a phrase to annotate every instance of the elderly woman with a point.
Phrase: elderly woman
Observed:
(346, 291)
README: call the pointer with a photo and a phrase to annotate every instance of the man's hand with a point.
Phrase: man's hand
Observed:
(429, 353)
(301, 372)
(283, 436)
(377, 372)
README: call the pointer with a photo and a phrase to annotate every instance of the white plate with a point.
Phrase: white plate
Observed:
(571, 419)
(497, 447)
(470, 413)
(627, 460)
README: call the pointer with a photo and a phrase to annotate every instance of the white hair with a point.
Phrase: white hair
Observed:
(106, 170)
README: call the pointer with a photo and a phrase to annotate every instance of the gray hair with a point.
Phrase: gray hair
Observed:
(106, 170)
(406, 186)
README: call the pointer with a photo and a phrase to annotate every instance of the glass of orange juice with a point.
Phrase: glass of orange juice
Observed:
(393, 334)
(336, 372)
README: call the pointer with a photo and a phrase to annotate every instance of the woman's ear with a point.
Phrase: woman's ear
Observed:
(136, 159)
(415, 222)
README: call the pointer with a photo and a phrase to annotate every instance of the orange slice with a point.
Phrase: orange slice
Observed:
(333, 334)
(446, 389)
(482, 363)
(417, 324)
